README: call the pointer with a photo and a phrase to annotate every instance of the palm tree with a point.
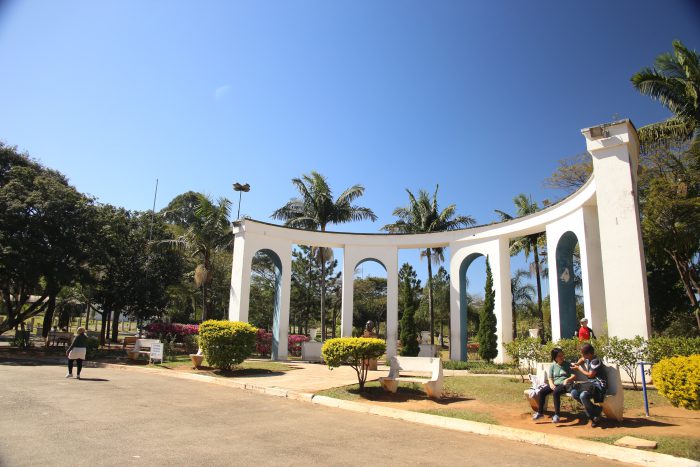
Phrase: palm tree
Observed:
(528, 244)
(675, 82)
(423, 216)
(521, 292)
(208, 232)
(314, 209)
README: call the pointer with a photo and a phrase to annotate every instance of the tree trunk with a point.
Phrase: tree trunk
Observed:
(442, 333)
(430, 297)
(103, 327)
(48, 315)
(515, 325)
(115, 327)
(540, 314)
(204, 302)
(685, 274)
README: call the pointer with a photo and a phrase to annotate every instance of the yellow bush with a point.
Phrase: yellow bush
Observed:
(678, 380)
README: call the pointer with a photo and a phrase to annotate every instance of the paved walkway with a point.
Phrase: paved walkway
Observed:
(116, 417)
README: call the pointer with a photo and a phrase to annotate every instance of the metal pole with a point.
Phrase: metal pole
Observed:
(153, 213)
(644, 387)
(240, 195)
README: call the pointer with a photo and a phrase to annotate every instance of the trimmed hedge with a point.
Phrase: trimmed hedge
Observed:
(678, 380)
(226, 343)
(355, 352)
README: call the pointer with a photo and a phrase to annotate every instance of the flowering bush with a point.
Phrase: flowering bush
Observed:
(294, 344)
(170, 331)
(226, 343)
(263, 343)
(678, 380)
(353, 351)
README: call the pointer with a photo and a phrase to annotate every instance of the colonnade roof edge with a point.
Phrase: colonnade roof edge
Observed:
(520, 226)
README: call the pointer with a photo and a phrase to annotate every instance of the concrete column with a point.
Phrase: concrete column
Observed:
(457, 346)
(615, 151)
(392, 301)
(239, 297)
(283, 295)
(347, 304)
(592, 272)
(499, 258)
(553, 233)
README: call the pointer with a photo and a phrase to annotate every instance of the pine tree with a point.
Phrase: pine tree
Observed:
(488, 344)
(409, 335)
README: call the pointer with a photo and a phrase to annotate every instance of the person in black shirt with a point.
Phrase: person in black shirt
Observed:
(593, 389)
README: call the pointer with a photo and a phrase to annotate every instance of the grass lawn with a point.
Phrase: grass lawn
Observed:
(673, 445)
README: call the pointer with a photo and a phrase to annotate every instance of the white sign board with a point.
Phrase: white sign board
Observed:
(157, 351)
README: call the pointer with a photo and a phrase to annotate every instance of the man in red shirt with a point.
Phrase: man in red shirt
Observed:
(584, 332)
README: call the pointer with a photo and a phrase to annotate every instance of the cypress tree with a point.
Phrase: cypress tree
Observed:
(409, 335)
(488, 344)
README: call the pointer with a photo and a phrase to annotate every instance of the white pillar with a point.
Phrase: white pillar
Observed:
(499, 259)
(346, 306)
(392, 301)
(456, 343)
(615, 152)
(239, 297)
(592, 272)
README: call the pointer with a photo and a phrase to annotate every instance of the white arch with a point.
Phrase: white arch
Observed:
(603, 213)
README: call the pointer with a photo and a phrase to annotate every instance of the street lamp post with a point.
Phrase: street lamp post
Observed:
(240, 189)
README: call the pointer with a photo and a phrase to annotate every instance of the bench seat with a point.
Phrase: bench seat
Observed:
(431, 385)
(613, 405)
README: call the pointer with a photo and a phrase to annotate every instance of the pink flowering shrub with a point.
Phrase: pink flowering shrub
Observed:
(263, 343)
(171, 331)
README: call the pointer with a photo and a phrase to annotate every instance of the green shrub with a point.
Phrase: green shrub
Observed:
(524, 350)
(626, 353)
(667, 347)
(678, 380)
(92, 347)
(488, 341)
(353, 351)
(226, 343)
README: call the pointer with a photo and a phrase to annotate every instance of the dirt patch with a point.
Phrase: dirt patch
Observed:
(664, 421)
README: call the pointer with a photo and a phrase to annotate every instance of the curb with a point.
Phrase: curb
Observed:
(582, 446)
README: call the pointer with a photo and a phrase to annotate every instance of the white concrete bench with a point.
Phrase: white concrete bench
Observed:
(614, 403)
(403, 365)
(139, 347)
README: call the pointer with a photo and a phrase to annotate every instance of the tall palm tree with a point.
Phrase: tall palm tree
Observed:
(675, 82)
(209, 231)
(314, 209)
(423, 216)
(528, 244)
(522, 293)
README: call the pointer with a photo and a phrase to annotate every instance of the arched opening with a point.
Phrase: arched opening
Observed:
(568, 279)
(265, 294)
(370, 296)
(468, 301)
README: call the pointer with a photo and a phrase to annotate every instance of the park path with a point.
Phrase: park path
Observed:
(116, 417)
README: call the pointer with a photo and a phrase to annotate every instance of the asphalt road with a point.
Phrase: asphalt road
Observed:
(117, 417)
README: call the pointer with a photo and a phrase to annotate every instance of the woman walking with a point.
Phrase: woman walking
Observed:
(77, 351)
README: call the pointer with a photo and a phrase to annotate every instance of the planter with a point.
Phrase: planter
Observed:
(196, 360)
(425, 337)
(534, 332)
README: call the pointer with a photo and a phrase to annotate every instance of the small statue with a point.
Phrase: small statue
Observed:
(369, 330)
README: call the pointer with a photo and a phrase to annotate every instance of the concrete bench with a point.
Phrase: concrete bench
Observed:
(139, 347)
(399, 366)
(613, 405)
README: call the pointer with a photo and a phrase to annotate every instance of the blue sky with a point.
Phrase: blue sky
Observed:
(482, 97)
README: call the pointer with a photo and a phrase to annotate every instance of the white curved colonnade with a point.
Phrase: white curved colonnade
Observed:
(602, 217)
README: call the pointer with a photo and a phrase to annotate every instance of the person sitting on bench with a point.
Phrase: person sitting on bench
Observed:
(559, 378)
(592, 390)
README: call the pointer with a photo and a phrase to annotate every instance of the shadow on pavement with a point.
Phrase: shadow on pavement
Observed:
(92, 379)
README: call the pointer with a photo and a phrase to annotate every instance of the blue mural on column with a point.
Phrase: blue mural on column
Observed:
(278, 300)
(566, 284)
(463, 308)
